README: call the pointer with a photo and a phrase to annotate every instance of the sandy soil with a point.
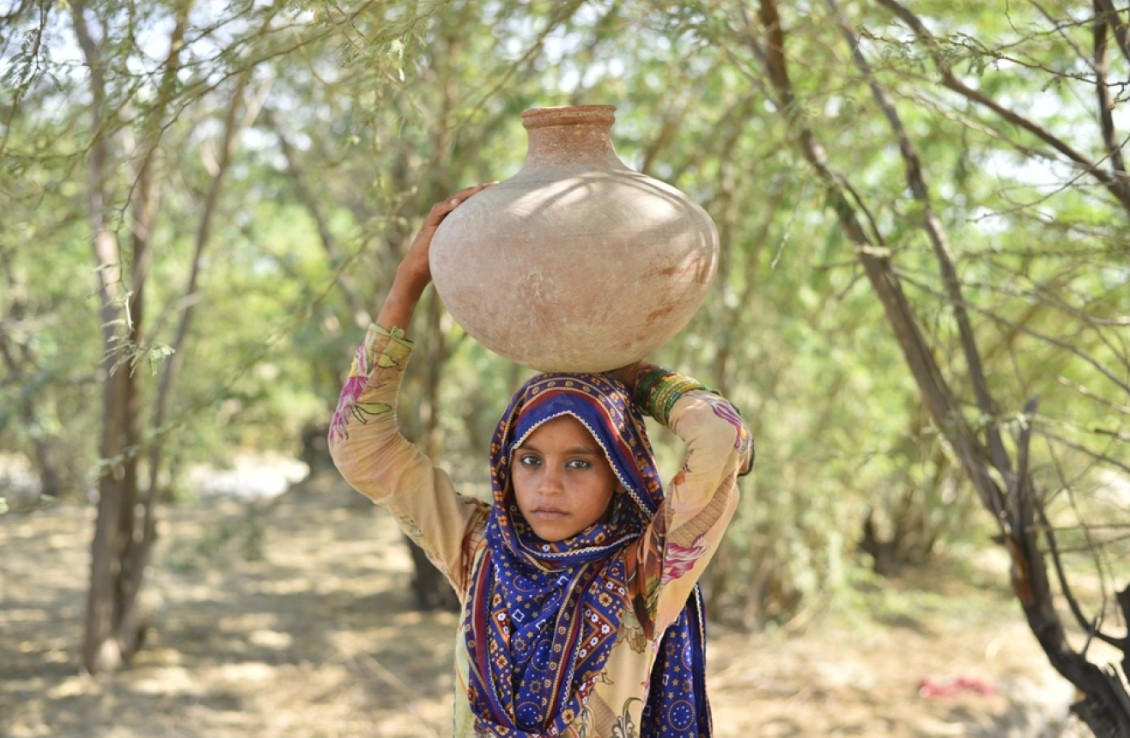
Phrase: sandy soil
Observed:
(295, 620)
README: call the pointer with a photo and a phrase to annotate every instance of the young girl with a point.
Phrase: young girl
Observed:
(581, 612)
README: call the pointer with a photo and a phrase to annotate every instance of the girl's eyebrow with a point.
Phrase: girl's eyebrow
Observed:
(585, 450)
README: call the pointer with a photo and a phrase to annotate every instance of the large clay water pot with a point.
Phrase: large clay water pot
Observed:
(576, 263)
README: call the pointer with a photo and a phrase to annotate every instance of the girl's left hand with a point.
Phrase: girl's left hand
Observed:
(628, 373)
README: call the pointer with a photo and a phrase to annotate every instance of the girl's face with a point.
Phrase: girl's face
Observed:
(562, 481)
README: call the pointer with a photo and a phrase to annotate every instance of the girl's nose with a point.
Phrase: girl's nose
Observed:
(550, 482)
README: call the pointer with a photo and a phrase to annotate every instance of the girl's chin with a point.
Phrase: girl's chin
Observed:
(553, 529)
(553, 534)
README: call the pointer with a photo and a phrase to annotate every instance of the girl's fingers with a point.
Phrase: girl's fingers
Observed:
(443, 207)
(468, 191)
(465, 193)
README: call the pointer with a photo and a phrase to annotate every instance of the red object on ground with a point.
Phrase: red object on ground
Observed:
(932, 688)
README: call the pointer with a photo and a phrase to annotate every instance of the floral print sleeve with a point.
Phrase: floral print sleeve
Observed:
(699, 504)
(372, 455)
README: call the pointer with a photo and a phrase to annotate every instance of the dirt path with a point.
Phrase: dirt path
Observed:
(297, 622)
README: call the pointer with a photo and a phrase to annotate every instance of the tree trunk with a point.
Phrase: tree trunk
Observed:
(115, 620)
(432, 590)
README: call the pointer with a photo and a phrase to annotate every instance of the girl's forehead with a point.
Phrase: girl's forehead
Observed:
(567, 426)
(563, 426)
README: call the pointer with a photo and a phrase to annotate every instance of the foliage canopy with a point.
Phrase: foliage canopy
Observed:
(260, 166)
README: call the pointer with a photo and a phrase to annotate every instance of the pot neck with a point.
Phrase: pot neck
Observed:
(575, 136)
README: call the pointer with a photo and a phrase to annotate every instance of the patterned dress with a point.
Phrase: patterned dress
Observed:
(661, 567)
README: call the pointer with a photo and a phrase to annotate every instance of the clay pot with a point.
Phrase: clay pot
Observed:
(576, 263)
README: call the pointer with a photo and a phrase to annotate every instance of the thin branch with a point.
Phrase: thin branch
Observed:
(1061, 574)
(231, 129)
(105, 244)
(936, 392)
(1091, 546)
(943, 253)
(1121, 34)
(1012, 325)
(1107, 459)
(1116, 186)
(27, 77)
(1102, 91)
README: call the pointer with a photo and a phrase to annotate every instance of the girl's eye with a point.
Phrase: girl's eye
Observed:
(528, 460)
(579, 464)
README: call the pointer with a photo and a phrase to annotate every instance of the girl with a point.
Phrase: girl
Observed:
(581, 612)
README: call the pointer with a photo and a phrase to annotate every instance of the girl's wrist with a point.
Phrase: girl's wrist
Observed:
(657, 390)
(402, 298)
(629, 374)
(412, 278)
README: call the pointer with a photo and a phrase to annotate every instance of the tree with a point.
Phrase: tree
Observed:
(120, 117)
(126, 525)
(972, 407)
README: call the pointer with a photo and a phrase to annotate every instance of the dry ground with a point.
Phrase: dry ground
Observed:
(297, 621)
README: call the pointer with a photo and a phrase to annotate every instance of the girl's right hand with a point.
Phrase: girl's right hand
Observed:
(414, 272)
(415, 266)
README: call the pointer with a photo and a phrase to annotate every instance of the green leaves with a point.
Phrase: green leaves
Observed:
(354, 120)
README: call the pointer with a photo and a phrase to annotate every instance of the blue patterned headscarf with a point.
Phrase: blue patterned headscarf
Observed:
(543, 616)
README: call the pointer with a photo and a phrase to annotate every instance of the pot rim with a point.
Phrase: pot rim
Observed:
(569, 115)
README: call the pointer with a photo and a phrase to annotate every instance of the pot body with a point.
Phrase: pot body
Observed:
(576, 263)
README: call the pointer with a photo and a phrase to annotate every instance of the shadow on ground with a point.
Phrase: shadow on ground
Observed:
(294, 618)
